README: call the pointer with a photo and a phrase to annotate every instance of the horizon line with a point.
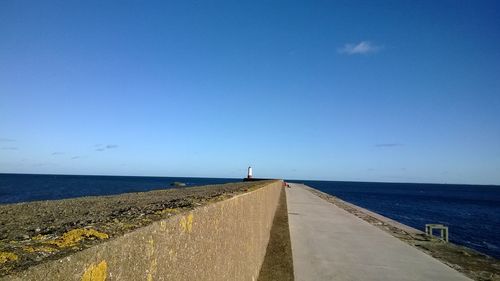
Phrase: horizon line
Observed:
(270, 178)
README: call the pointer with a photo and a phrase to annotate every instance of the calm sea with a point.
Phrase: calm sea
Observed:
(23, 187)
(472, 212)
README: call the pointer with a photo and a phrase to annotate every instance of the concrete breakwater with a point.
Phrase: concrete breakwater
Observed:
(225, 240)
(353, 243)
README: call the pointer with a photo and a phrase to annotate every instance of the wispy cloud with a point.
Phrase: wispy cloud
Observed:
(75, 157)
(361, 48)
(6, 140)
(9, 148)
(388, 144)
(57, 153)
(101, 147)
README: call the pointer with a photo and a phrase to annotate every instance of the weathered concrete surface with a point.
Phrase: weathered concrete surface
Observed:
(226, 240)
(329, 243)
(472, 263)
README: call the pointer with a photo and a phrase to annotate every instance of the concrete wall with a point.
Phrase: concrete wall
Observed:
(226, 240)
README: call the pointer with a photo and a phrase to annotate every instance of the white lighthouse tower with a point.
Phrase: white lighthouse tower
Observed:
(250, 173)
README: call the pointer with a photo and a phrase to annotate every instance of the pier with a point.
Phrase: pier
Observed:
(329, 243)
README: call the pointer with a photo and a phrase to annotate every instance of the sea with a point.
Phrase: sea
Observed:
(472, 212)
(16, 188)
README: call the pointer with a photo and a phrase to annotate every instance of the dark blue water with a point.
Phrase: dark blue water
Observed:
(23, 187)
(472, 212)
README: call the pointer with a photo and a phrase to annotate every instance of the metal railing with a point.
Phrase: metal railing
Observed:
(443, 230)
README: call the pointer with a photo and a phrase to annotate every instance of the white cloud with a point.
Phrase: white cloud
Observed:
(362, 48)
(100, 147)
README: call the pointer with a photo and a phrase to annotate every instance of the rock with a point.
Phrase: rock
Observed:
(178, 184)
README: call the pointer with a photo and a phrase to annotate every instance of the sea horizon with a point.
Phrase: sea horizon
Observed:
(285, 179)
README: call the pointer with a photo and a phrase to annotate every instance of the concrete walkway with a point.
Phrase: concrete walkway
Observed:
(329, 243)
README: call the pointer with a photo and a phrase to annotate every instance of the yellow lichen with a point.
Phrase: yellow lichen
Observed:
(151, 252)
(7, 256)
(152, 269)
(163, 225)
(43, 249)
(151, 245)
(40, 237)
(186, 223)
(96, 272)
(72, 237)
(167, 211)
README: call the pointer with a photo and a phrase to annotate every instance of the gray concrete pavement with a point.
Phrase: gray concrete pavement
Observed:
(329, 243)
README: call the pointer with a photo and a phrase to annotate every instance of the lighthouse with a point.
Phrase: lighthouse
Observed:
(250, 177)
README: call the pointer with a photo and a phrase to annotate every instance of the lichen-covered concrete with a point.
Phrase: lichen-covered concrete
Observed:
(226, 240)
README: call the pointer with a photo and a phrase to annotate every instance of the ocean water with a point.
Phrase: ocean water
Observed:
(24, 187)
(472, 212)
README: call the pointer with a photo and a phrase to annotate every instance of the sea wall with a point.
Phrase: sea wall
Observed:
(226, 240)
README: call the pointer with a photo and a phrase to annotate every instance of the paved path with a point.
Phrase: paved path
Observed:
(329, 243)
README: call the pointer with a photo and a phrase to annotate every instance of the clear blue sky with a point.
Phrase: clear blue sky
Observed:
(405, 91)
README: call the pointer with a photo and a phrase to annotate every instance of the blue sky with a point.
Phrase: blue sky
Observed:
(405, 91)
